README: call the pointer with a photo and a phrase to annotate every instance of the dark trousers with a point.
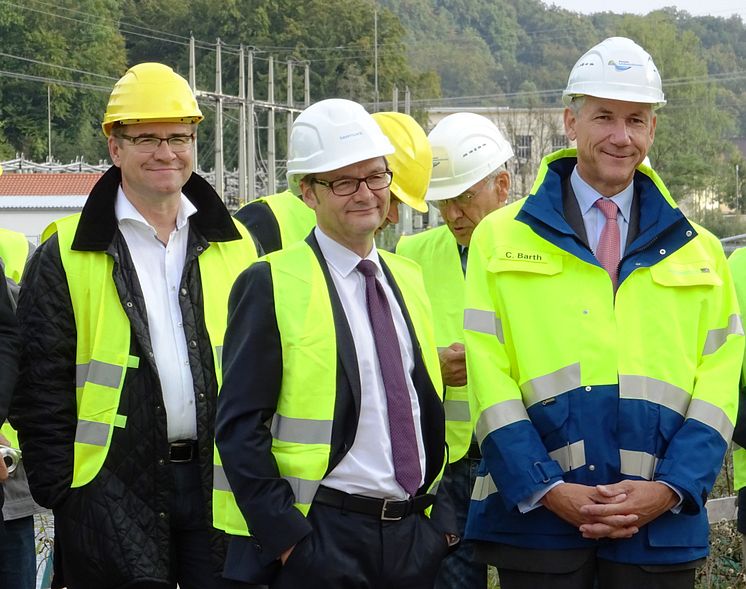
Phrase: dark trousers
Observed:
(459, 570)
(348, 550)
(191, 558)
(520, 568)
(18, 554)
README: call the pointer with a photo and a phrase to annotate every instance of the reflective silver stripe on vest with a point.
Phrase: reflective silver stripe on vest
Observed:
(219, 356)
(644, 388)
(301, 431)
(219, 480)
(571, 456)
(100, 373)
(551, 385)
(303, 489)
(457, 410)
(637, 464)
(735, 447)
(484, 322)
(92, 432)
(711, 415)
(483, 488)
(434, 489)
(500, 415)
(717, 337)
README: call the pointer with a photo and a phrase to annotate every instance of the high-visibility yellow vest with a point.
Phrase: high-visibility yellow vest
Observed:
(737, 263)
(103, 333)
(14, 249)
(436, 250)
(294, 217)
(302, 425)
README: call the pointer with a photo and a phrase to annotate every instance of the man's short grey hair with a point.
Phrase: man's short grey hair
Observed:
(492, 176)
(576, 104)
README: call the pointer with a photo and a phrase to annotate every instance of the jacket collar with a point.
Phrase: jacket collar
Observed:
(98, 223)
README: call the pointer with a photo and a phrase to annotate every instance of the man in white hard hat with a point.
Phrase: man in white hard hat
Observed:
(469, 181)
(330, 423)
(603, 349)
(123, 310)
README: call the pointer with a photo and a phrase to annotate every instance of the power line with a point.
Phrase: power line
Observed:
(54, 65)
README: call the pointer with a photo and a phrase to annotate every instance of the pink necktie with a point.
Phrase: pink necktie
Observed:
(607, 250)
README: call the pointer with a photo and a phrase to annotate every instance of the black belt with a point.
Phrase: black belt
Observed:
(384, 509)
(182, 451)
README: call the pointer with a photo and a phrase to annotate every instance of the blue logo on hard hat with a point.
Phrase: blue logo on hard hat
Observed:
(623, 65)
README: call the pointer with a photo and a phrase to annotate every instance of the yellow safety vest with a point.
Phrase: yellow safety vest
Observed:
(302, 425)
(737, 263)
(103, 333)
(14, 253)
(436, 250)
(294, 217)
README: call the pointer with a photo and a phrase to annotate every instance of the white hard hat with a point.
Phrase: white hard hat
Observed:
(332, 134)
(619, 69)
(466, 148)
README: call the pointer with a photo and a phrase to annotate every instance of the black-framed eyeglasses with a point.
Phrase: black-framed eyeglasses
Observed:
(349, 186)
(151, 143)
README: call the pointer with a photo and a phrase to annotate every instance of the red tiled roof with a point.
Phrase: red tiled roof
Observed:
(47, 184)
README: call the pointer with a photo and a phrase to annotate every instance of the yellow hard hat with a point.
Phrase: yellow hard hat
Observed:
(151, 92)
(412, 162)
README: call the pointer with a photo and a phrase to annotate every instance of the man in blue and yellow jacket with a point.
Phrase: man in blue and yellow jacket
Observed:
(603, 353)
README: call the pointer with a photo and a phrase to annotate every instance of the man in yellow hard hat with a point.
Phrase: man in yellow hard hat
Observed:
(411, 163)
(123, 309)
(469, 181)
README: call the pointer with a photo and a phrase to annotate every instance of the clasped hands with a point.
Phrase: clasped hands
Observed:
(614, 511)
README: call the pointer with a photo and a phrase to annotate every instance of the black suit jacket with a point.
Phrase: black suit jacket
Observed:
(252, 377)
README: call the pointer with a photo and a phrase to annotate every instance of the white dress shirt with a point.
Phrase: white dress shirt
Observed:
(159, 268)
(368, 467)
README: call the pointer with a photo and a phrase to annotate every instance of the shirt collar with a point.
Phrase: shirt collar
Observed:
(587, 195)
(126, 211)
(340, 258)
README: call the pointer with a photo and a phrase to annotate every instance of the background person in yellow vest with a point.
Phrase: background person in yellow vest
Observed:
(468, 182)
(278, 220)
(335, 490)
(14, 558)
(17, 541)
(737, 263)
(123, 311)
(603, 349)
(411, 163)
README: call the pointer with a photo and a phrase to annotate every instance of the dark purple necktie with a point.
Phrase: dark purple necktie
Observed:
(401, 421)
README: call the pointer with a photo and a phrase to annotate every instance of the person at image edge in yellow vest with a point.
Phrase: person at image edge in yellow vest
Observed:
(330, 422)
(17, 540)
(411, 163)
(123, 311)
(603, 349)
(468, 182)
(737, 263)
(9, 346)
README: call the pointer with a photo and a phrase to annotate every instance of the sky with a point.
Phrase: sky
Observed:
(723, 8)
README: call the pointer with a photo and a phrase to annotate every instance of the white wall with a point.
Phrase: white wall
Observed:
(31, 222)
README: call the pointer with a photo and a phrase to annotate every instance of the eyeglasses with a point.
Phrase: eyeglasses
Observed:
(460, 200)
(151, 143)
(349, 186)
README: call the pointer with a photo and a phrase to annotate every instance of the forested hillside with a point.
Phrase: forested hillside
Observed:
(455, 53)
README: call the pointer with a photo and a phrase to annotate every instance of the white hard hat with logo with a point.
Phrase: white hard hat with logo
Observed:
(617, 69)
(466, 148)
(332, 134)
